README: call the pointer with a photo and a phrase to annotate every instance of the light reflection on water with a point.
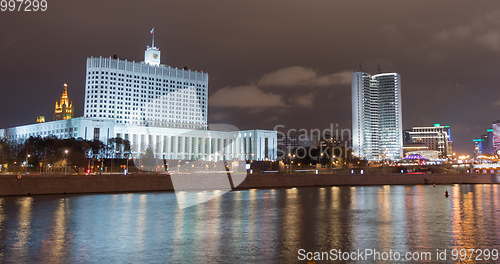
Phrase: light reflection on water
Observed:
(246, 226)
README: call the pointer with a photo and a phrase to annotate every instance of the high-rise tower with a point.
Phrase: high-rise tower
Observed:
(64, 108)
(146, 93)
(376, 116)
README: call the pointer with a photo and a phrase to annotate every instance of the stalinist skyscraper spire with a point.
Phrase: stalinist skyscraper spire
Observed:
(64, 108)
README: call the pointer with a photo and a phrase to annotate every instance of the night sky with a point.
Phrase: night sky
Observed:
(270, 61)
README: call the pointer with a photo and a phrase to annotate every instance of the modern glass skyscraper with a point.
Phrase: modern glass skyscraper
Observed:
(376, 116)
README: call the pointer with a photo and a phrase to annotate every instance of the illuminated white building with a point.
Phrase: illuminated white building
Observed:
(146, 93)
(152, 106)
(167, 143)
(436, 137)
(376, 116)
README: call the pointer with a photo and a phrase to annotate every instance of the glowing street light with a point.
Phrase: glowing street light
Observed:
(126, 169)
(26, 161)
(66, 151)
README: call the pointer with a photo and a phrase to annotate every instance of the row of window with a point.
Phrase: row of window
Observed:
(95, 75)
(177, 92)
(158, 86)
(69, 130)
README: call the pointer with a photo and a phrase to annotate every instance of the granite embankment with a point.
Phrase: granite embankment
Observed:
(60, 184)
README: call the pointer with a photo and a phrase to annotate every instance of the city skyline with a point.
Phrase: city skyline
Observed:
(438, 87)
(218, 131)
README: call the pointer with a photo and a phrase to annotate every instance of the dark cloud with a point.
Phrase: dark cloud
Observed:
(296, 88)
(249, 96)
(301, 76)
(482, 30)
(447, 52)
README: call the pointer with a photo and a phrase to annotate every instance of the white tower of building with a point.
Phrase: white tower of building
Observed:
(152, 53)
(376, 116)
(146, 93)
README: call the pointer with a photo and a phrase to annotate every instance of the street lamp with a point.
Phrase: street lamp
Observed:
(26, 162)
(128, 158)
(65, 160)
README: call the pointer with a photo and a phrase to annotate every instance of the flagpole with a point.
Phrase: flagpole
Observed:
(153, 41)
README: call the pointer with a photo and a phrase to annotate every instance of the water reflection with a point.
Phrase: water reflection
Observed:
(24, 222)
(2, 218)
(266, 226)
(58, 234)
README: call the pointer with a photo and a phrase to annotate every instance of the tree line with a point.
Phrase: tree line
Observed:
(42, 152)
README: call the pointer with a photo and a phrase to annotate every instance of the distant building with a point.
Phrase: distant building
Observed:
(407, 137)
(427, 154)
(413, 147)
(488, 143)
(478, 146)
(496, 136)
(63, 109)
(289, 143)
(40, 119)
(485, 144)
(436, 137)
(376, 116)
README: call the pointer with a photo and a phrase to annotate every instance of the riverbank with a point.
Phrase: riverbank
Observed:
(76, 184)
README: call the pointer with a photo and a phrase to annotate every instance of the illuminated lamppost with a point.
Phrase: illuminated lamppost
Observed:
(26, 162)
(89, 157)
(129, 158)
(65, 160)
